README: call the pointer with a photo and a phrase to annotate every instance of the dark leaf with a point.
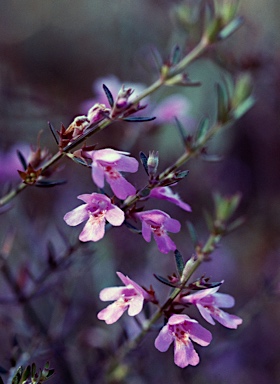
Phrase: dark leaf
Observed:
(181, 130)
(139, 119)
(164, 281)
(144, 160)
(181, 175)
(17, 376)
(53, 132)
(175, 55)
(179, 262)
(22, 160)
(108, 95)
(26, 373)
(49, 183)
(80, 161)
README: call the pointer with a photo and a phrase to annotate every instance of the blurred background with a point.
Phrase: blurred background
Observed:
(52, 56)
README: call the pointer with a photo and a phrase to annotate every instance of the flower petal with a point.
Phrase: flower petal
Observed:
(111, 293)
(185, 354)
(76, 216)
(199, 334)
(94, 230)
(164, 339)
(115, 216)
(112, 313)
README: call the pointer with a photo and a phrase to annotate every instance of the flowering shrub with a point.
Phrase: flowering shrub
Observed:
(116, 201)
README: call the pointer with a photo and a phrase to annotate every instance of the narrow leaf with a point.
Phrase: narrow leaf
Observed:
(175, 55)
(202, 129)
(244, 107)
(49, 183)
(222, 101)
(53, 132)
(193, 233)
(164, 281)
(144, 161)
(22, 160)
(179, 262)
(108, 95)
(139, 119)
(181, 130)
(231, 28)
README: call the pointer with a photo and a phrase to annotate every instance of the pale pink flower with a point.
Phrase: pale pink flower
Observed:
(96, 211)
(166, 193)
(157, 222)
(208, 302)
(106, 163)
(183, 330)
(130, 297)
(176, 105)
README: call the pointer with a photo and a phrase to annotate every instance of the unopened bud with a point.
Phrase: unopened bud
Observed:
(152, 163)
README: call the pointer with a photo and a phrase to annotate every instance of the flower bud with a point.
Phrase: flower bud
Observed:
(152, 162)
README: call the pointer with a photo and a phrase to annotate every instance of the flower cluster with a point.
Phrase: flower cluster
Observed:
(116, 203)
(180, 328)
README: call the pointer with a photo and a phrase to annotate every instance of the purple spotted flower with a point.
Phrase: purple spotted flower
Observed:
(183, 330)
(166, 193)
(96, 211)
(208, 302)
(129, 297)
(107, 163)
(157, 222)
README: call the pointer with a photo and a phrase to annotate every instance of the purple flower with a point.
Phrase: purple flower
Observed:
(208, 302)
(130, 297)
(107, 163)
(96, 211)
(166, 193)
(158, 223)
(182, 329)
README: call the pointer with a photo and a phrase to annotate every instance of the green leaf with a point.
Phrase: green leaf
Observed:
(175, 55)
(229, 29)
(193, 233)
(144, 161)
(222, 104)
(202, 130)
(26, 373)
(17, 376)
(179, 262)
(244, 107)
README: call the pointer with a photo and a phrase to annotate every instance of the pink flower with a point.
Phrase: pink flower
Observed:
(182, 329)
(157, 222)
(130, 297)
(208, 302)
(96, 211)
(176, 105)
(107, 163)
(166, 193)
